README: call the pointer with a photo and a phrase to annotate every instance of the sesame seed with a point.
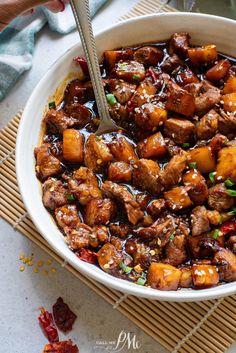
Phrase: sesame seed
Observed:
(35, 270)
(40, 263)
(106, 266)
(99, 161)
(152, 252)
(49, 262)
(22, 268)
(53, 270)
(210, 271)
(45, 272)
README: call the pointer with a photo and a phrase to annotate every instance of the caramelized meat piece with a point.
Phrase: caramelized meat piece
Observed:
(109, 258)
(209, 97)
(179, 43)
(156, 207)
(217, 142)
(54, 194)
(172, 174)
(219, 199)
(175, 251)
(177, 198)
(204, 159)
(172, 148)
(121, 193)
(152, 147)
(122, 150)
(218, 71)
(226, 261)
(204, 276)
(99, 211)
(67, 216)
(84, 185)
(199, 220)
(120, 172)
(73, 146)
(148, 55)
(203, 245)
(143, 93)
(129, 71)
(196, 186)
(122, 90)
(226, 166)
(57, 121)
(180, 130)
(203, 55)
(171, 63)
(163, 276)
(97, 153)
(119, 230)
(114, 56)
(227, 123)
(46, 164)
(185, 76)
(208, 125)
(79, 112)
(214, 217)
(146, 175)
(160, 230)
(78, 92)
(79, 236)
(150, 116)
(180, 101)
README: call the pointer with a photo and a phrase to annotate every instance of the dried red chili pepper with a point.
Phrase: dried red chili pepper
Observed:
(83, 64)
(63, 316)
(48, 326)
(87, 256)
(61, 347)
(228, 227)
(131, 105)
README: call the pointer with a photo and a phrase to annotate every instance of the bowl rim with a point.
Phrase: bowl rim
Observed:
(110, 281)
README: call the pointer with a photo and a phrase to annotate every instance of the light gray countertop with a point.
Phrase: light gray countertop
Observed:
(22, 293)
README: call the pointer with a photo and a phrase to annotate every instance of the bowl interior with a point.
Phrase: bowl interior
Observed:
(203, 29)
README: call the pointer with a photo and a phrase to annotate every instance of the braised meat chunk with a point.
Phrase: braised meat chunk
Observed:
(154, 202)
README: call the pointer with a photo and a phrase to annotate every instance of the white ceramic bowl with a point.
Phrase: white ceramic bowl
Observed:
(157, 27)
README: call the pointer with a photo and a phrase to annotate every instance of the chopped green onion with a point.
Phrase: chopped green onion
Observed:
(70, 197)
(122, 66)
(172, 237)
(141, 281)
(111, 99)
(220, 222)
(193, 165)
(212, 177)
(231, 192)
(229, 182)
(216, 234)
(226, 142)
(99, 138)
(185, 145)
(125, 268)
(136, 77)
(52, 105)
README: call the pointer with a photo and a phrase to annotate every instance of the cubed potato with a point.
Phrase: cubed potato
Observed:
(230, 85)
(184, 76)
(177, 198)
(163, 276)
(226, 166)
(114, 56)
(180, 101)
(122, 150)
(109, 258)
(204, 158)
(132, 71)
(150, 116)
(196, 185)
(186, 278)
(179, 130)
(97, 153)
(208, 125)
(229, 102)
(145, 90)
(203, 55)
(120, 172)
(73, 146)
(152, 147)
(204, 276)
(218, 71)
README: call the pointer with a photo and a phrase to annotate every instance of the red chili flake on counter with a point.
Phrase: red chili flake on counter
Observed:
(87, 256)
(228, 227)
(48, 326)
(63, 316)
(83, 64)
(61, 347)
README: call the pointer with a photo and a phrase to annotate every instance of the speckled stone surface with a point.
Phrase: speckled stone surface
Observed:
(22, 293)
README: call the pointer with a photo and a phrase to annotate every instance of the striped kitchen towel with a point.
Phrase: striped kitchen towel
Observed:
(17, 40)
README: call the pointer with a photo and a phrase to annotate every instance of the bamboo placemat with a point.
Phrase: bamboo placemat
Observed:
(203, 327)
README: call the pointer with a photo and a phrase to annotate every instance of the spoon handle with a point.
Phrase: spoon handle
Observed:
(81, 13)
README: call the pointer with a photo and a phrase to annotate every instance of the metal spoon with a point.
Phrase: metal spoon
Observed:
(81, 13)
